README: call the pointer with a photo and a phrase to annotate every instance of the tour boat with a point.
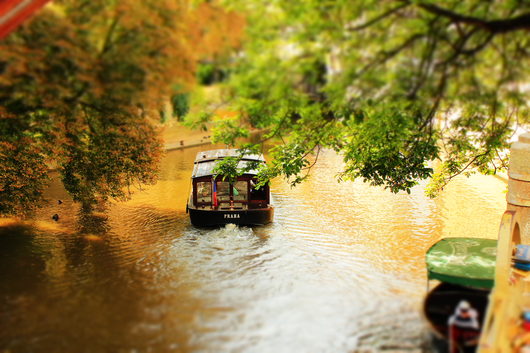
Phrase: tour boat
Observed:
(464, 269)
(215, 202)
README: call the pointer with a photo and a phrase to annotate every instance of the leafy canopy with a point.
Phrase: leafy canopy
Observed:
(391, 85)
(81, 87)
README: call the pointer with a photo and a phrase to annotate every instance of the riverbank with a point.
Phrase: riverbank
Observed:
(177, 136)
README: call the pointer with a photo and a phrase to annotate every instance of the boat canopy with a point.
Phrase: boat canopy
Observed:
(206, 161)
(468, 262)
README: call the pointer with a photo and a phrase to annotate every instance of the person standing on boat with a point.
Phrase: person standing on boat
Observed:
(214, 193)
(464, 329)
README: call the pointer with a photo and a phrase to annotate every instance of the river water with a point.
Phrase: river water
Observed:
(341, 269)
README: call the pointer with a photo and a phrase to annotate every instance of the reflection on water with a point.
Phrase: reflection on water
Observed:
(340, 270)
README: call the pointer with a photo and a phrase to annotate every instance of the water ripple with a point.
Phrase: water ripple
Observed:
(340, 270)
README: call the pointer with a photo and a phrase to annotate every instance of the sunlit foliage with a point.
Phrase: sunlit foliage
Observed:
(397, 87)
(81, 88)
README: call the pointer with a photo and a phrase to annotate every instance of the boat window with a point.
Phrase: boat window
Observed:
(204, 192)
(223, 191)
(258, 194)
(240, 191)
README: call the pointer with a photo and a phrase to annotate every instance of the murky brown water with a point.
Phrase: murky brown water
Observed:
(340, 270)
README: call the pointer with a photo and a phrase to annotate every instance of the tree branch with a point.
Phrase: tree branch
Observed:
(384, 56)
(108, 38)
(426, 60)
(475, 50)
(465, 167)
(378, 18)
(521, 22)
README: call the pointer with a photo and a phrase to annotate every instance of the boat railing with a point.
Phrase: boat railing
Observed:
(240, 205)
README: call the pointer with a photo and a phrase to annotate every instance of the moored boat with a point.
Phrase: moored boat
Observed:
(215, 202)
(464, 269)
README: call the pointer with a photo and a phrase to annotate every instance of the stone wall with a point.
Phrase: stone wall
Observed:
(518, 197)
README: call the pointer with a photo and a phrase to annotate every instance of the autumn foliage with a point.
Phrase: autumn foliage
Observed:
(81, 85)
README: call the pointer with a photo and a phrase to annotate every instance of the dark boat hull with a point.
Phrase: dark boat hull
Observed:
(440, 304)
(215, 218)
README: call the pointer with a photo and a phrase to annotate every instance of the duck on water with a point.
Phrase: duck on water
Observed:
(215, 202)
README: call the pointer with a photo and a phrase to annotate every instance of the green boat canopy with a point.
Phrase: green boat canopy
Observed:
(468, 262)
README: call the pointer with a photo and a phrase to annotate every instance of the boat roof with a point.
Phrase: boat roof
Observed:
(206, 161)
(465, 261)
(205, 156)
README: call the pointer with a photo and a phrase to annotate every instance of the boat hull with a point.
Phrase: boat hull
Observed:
(215, 218)
(440, 304)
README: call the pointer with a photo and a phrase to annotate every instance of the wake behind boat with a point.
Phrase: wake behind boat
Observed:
(214, 202)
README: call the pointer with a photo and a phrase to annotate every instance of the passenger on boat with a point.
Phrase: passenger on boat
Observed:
(464, 329)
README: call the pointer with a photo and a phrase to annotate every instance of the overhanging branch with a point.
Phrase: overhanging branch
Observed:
(521, 22)
(378, 18)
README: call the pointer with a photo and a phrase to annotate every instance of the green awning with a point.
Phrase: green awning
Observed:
(465, 261)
